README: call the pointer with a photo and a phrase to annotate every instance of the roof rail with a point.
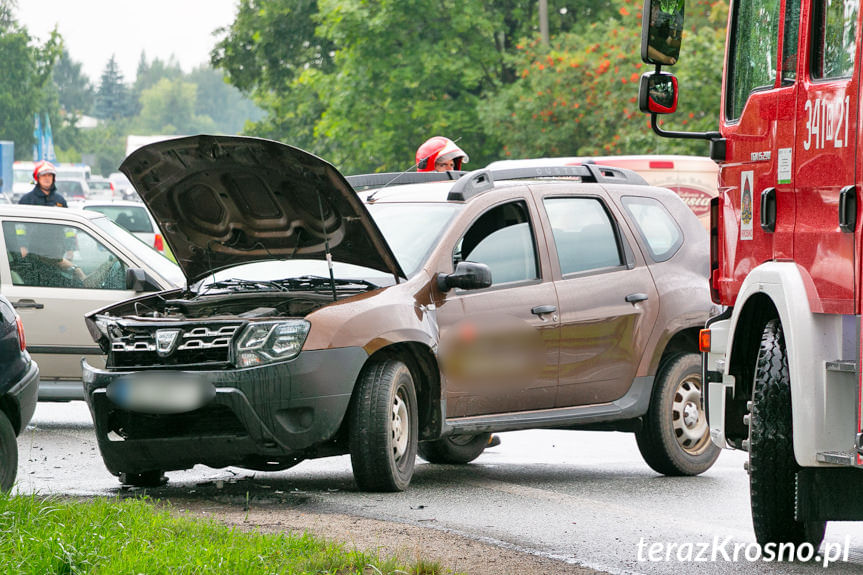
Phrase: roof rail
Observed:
(481, 180)
(361, 182)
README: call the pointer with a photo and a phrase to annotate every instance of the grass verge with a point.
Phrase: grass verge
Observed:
(53, 536)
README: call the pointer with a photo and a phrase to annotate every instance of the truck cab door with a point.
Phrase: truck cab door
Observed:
(825, 152)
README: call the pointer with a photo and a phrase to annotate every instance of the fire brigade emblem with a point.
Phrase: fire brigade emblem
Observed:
(746, 215)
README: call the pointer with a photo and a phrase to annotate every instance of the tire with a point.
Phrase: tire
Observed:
(153, 478)
(8, 454)
(772, 467)
(383, 427)
(459, 449)
(675, 438)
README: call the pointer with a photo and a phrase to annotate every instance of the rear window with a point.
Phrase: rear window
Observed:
(133, 218)
(655, 225)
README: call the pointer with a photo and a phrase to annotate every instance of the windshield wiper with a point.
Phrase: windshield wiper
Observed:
(316, 282)
(241, 285)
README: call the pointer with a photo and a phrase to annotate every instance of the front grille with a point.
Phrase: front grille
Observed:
(213, 420)
(192, 345)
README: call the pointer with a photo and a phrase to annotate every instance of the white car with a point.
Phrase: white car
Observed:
(133, 216)
(59, 264)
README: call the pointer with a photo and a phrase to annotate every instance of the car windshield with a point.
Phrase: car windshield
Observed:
(23, 176)
(412, 229)
(133, 218)
(163, 266)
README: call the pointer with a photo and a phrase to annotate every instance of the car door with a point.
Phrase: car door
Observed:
(499, 344)
(54, 272)
(608, 301)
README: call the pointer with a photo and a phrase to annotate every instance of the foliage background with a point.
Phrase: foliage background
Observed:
(362, 83)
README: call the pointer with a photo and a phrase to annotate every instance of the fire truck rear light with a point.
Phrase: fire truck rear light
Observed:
(704, 341)
(22, 343)
(159, 243)
(661, 165)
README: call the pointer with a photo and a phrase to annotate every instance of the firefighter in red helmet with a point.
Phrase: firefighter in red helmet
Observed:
(439, 154)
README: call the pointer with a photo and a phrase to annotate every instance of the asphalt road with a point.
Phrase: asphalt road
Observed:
(581, 497)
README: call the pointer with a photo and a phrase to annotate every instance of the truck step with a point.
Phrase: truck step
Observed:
(842, 365)
(846, 458)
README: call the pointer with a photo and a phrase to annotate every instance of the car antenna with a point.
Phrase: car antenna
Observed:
(327, 247)
(399, 175)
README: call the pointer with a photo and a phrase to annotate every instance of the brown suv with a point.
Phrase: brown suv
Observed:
(405, 318)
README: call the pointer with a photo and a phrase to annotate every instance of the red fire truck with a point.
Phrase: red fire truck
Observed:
(782, 363)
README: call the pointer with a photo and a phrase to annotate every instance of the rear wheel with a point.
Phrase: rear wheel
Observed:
(8, 454)
(675, 439)
(772, 467)
(383, 427)
(454, 448)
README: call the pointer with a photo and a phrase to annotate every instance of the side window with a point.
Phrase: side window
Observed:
(834, 27)
(754, 41)
(656, 226)
(583, 234)
(789, 43)
(502, 238)
(53, 255)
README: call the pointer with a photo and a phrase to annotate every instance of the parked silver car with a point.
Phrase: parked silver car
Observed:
(58, 264)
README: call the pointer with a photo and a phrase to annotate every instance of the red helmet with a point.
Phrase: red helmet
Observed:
(44, 168)
(439, 149)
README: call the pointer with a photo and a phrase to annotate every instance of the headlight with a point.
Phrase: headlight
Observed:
(266, 342)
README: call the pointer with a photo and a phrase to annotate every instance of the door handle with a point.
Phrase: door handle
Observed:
(543, 309)
(636, 297)
(27, 304)
(848, 209)
(768, 210)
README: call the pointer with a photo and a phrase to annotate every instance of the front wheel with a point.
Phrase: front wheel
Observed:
(675, 438)
(383, 427)
(457, 449)
(8, 454)
(772, 467)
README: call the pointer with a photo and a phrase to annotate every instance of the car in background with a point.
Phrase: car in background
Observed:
(101, 189)
(694, 178)
(93, 262)
(19, 385)
(72, 190)
(400, 320)
(123, 186)
(22, 179)
(133, 216)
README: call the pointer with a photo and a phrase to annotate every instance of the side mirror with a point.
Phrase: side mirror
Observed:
(661, 31)
(467, 275)
(140, 281)
(657, 93)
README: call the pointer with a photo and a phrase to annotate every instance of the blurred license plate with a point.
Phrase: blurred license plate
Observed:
(161, 393)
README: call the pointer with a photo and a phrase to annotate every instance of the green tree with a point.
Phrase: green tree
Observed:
(25, 68)
(112, 98)
(74, 89)
(579, 95)
(225, 104)
(148, 75)
(169, 108)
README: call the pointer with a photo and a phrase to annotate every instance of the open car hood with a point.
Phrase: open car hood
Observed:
(222, 201)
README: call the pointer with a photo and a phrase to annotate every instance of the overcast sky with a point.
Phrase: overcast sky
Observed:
(93, 30)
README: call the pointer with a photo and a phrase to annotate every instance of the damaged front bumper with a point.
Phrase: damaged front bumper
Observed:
(266, 417)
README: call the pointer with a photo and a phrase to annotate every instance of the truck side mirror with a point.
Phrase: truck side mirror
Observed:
(140, 281)
(467, 275)
(657, 93)
(661, 31)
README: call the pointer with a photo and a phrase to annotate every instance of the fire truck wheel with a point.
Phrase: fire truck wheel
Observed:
(675, 438)
(772, 466)
(457, 449)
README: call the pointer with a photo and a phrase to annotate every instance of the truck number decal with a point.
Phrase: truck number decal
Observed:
(826, 121)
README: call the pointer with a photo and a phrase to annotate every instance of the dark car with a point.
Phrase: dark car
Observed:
(19, 387)
(403, 319)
